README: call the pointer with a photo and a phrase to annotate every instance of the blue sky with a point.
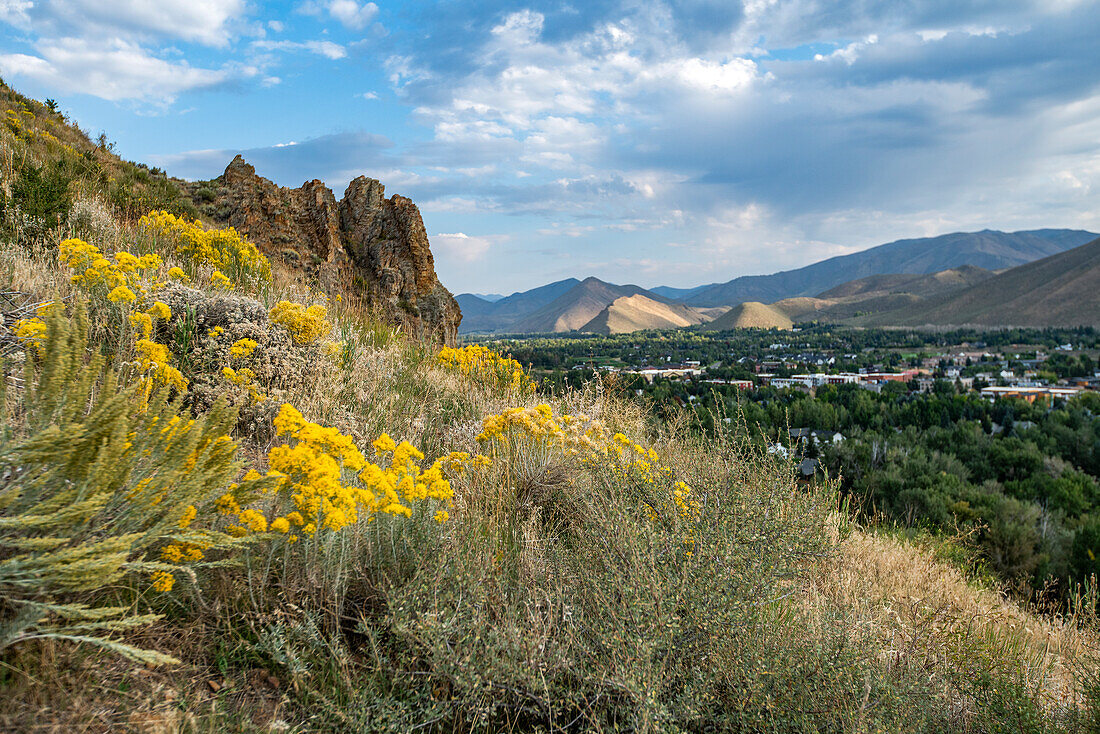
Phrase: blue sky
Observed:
(652, 142)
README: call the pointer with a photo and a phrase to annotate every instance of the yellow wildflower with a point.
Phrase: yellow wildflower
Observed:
(306, 325)
(143, 322)
(160, 311)
(188, 517)
(220, 281)
(163, 581)
(121, 294)
(243, 348)
(32, 331)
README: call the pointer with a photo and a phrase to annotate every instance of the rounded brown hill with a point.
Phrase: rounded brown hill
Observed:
(751, 315)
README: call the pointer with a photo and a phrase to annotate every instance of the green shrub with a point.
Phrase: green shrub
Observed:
(97, 477)
(43, 193)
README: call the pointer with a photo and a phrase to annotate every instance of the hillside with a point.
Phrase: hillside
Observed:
(987, 249)
(635, 313)
(879, 294)
(479, 315)
(1060, 290)
(919, 285)
(676, 294)
(233, 501)
(576, 307)
(751, 315)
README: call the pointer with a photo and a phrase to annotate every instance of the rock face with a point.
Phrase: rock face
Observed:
(366, 246)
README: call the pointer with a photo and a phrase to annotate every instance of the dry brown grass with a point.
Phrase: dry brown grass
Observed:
(61, 689)
(925, 614)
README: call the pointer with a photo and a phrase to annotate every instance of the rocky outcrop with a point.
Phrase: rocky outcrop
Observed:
(365, 246)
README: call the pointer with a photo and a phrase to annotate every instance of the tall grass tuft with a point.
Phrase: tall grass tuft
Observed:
(100, 474)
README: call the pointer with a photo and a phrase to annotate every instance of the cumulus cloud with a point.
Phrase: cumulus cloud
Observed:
(107, 49)
(115, 70)
(348, 13)
(208, 22)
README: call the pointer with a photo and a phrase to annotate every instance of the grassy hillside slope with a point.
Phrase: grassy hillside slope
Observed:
(1060, 290)
(920, 285)
(231, 502)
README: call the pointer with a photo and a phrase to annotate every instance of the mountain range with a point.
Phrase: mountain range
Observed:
(1060, 290)
(987, 249)
(894, 281)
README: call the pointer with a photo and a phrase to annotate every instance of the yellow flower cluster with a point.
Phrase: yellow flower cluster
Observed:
(33, 332)
(245, 378)
(162, 581)
(243, 348)
(242, 376)
(222, 249)
(154, 358)
(220, 282)
(122, 279)
(484, 364)
(591, 442)
(182, 553)
(312, 473)
(306, 325)
(143, 320)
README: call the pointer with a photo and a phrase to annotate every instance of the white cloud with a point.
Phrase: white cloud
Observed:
(209, 22)
(461, 246)
(705, 75)
(328, 49)
(115, 70)
(369, 95)
(352, 14)
(15, 12)
(348, 13)
(276, 25)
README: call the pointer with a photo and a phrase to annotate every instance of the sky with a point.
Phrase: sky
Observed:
(649, 142)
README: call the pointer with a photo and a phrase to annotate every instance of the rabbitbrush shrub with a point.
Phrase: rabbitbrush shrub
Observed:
(104, 485)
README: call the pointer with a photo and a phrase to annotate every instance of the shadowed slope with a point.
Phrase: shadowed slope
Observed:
(1061, 290)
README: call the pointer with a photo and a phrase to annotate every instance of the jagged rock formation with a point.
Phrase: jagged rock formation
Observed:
(366, 246)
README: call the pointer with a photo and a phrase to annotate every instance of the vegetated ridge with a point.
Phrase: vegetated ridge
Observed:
(879, 293)
(1060, 290)
(987, 249)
